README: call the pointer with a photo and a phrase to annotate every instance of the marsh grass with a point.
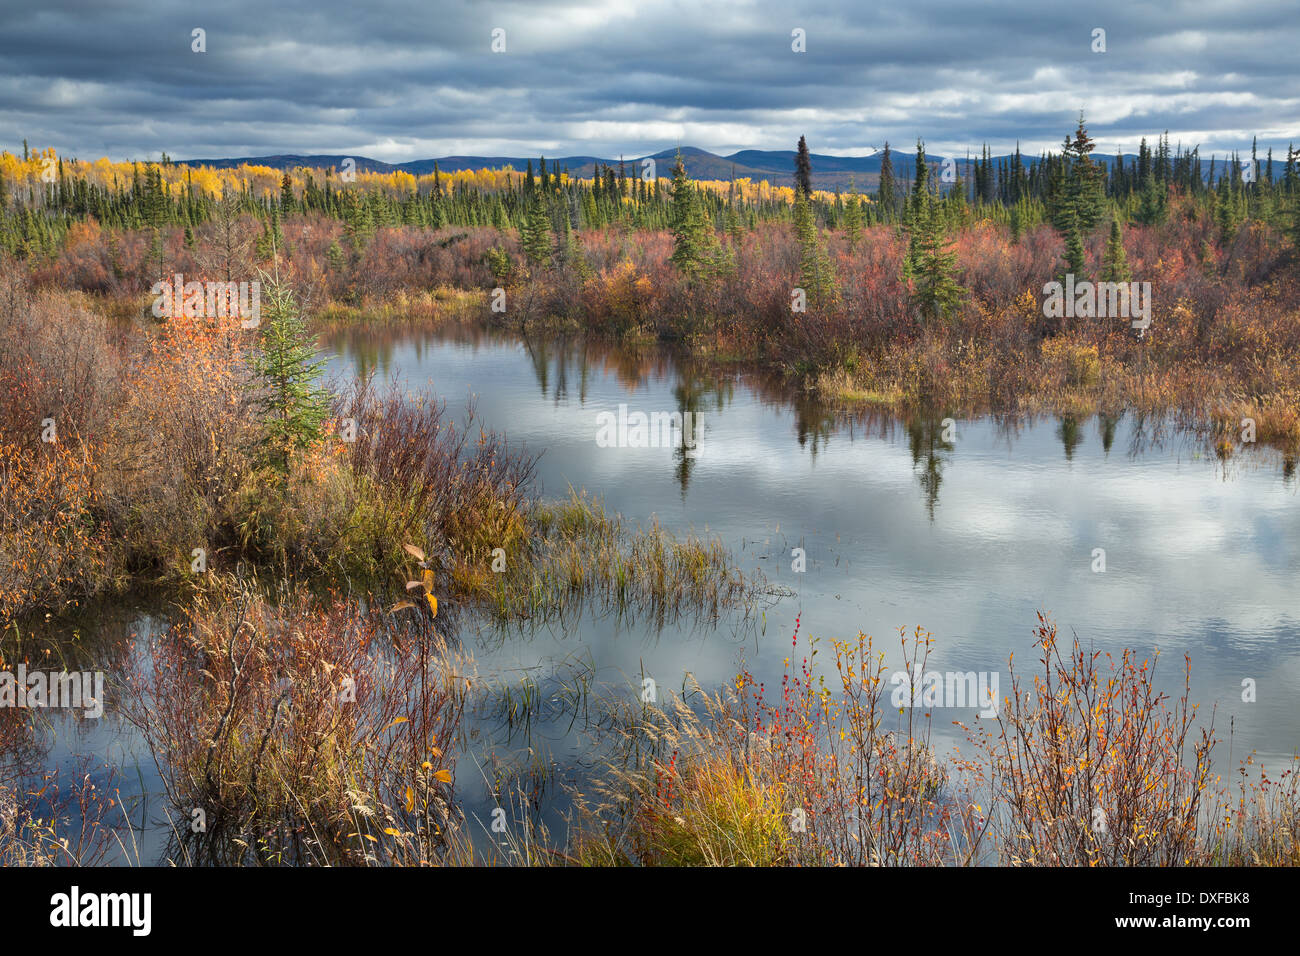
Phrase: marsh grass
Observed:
(423, 307)
(579, 556)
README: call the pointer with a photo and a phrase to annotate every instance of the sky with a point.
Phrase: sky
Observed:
(406, 81)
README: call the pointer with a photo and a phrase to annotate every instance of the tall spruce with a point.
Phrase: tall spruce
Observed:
(885, 190)
(690, 227)
(803, 169)
(853, 217)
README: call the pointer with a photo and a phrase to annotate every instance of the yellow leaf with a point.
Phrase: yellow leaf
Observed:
(410, 799)
(401, 606)
(391, 832)
(443, 776)
(433, 604)
(395, 722)
(428, 580)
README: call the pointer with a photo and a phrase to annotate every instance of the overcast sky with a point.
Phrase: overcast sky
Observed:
(398, 81)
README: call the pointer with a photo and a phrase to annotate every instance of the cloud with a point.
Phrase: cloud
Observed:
(400, 81)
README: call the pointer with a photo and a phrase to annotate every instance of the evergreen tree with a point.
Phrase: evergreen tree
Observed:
(853, 217)
(1225, 211)
(816, 272)
(1075, 261)
(286, 194)
(936, 291)
(917, 211)
(1114, 264)
(358, 224)
(885, 191)
(690, 230)
(803, 169)
(1152, 201)
(290, 403)
(535, 232)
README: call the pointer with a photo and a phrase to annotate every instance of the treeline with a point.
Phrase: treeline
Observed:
(36, 211)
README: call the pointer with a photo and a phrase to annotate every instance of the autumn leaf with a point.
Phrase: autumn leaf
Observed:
(413, 551)
(410, 799)
(443, 776)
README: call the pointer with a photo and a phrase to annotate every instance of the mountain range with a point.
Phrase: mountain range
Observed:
(774, 165)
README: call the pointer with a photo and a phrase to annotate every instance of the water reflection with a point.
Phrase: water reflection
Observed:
(563, 368)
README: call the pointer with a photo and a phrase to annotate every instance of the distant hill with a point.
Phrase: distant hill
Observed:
(774, 165)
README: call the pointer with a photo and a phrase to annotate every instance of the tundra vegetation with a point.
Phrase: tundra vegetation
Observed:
(315, 538)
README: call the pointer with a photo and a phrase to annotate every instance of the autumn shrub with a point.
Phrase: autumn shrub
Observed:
(1075, 363)
(456, 488)
(813, 776)
(300, 730)
(52, 543)
(1093, 765)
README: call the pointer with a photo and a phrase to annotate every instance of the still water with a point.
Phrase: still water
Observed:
(967, 531)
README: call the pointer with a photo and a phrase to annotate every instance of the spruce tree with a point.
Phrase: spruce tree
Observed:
(917, 211)
(535, 232)
(286, 194)
(1075, 260)
(853, 217)
(885, 191)
(290, 404)
(816, 272)
(1114, 265)
(803, 169)
(936, 291)
(690, 231)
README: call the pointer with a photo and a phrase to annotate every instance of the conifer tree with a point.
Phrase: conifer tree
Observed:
(885, 191)
(535, 232)
(816, 271)
(1114, 264)
(853, 217)
(1075, 260)
(290, 404)
(690, 230)
(803, 169)
(936, 291)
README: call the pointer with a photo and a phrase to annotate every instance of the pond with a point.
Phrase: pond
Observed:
(966, 528)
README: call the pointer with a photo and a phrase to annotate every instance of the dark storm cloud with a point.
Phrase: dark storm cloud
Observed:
(405, 81)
